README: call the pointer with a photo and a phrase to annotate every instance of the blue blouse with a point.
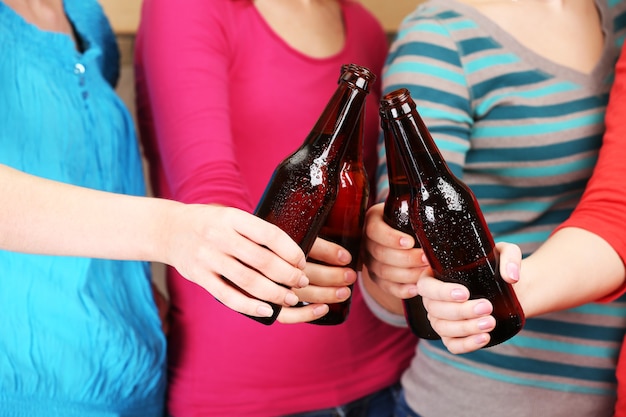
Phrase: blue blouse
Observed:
(78, 337)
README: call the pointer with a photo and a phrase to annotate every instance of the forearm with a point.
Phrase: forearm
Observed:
(48, 217)
(570, 269)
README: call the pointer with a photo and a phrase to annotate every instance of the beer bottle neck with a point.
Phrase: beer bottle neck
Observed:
(421, 157)
(395, 166)
(354, 153)
(331, 134)
(334, 128)
(417, 147)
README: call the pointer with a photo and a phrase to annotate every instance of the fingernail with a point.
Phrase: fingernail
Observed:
(343, 293)
(405, 242)
(350, 277)
(458, 294)
(304, 281)
(482, 308)
(264, 311)
(344, 256)
(484, 323)
(412, 291)
(320, 310)
(512, 271)
(291, 299)
(481, 339)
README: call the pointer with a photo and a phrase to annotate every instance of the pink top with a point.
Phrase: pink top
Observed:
(229, 100)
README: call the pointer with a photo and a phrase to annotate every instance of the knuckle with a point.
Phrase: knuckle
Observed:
(263, 261)
(246, 277)
(293, 277)
(274, 232)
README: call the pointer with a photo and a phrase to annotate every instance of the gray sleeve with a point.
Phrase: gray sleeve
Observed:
(379, 311)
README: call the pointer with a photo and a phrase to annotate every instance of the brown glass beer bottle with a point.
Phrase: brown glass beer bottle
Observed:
(447, 219)
(396, 215)
(344, 224)
(303, 187)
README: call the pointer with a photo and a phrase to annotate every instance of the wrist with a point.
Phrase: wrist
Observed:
(162, 228)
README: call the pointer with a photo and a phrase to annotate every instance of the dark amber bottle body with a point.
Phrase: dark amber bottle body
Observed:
(344, 225)
(303, 188)
(396, 214)
(447, 219)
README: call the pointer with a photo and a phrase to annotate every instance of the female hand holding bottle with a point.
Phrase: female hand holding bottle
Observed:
(555, 277)
(203, 242)
(391, 261)
(329, 281)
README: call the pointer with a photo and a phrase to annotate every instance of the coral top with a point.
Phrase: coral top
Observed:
(222, 100)
(602, 209)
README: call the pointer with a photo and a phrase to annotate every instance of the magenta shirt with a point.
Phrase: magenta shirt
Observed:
(229, 100)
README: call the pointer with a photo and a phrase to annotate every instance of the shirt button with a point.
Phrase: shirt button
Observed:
(79, 68)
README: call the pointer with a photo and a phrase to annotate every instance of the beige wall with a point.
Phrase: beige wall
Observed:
(390, 12)
(124, 14)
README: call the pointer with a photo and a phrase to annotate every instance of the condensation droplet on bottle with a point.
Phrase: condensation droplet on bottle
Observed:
(430, 214)
(450, 194)
(425, 193)
(316, 175)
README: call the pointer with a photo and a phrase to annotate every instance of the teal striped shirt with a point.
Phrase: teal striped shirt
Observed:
(523, 132)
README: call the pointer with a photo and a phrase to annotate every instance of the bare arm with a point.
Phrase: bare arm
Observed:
(202, 242)
(575, 263)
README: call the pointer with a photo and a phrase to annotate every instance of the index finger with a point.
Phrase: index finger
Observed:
(380, 232)
(435, 289)
(271, 236)
(291, 315)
